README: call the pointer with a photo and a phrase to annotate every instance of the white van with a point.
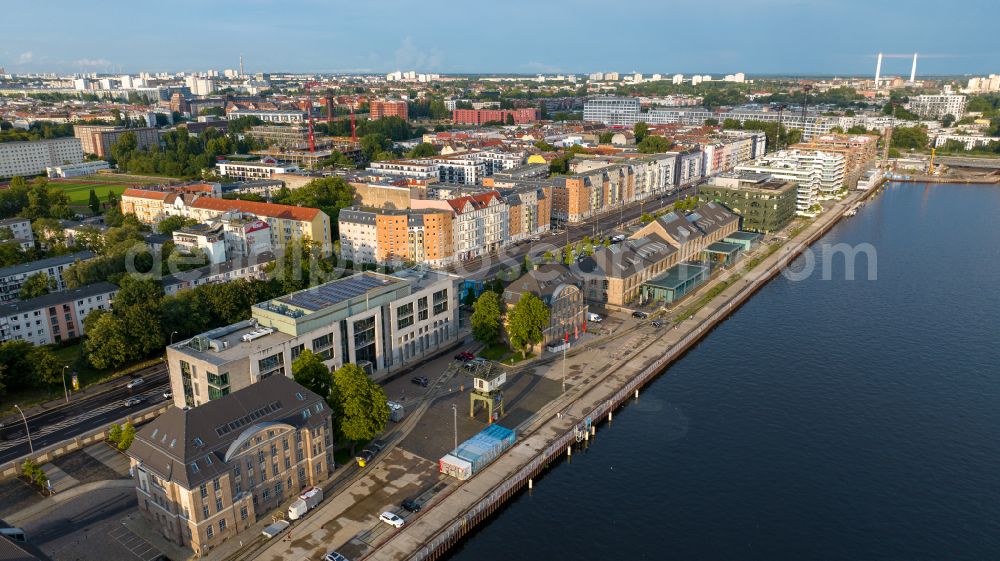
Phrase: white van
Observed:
(594, 318)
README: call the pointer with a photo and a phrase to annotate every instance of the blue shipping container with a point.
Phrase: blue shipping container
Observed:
(485, 446)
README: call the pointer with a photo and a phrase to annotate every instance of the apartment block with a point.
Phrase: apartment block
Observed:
(21, 232)
(371, 235)
(54, 317)
(380, 322)
(11, 278)
(857, 149)
(612, 111)
(818, 174)
(98, 139)
(267, 168)
(34, 157)
(937, 106)
(764, 204)
(381, 108)
(208, 474)
(480, 116)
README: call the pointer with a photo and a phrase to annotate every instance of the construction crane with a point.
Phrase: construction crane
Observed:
(308, 106)
(930, 166)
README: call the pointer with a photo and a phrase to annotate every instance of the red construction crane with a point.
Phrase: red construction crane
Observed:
(354, 130)
(309, 113)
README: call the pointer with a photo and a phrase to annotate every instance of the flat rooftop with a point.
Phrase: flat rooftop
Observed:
(332, 293)
(677, 275)
(226, 344)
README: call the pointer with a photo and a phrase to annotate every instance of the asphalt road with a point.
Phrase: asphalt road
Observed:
(83, 415)
(487, 266)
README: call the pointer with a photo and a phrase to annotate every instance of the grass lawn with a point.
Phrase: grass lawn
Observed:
(78, 188)
(502, 354)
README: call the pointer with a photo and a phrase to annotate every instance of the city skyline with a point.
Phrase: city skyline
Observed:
(446, 37)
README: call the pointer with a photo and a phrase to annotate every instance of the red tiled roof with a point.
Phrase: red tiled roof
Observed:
(270, 210)
(478, 201)
(146, 194)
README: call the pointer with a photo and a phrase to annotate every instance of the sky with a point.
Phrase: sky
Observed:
(807, 37)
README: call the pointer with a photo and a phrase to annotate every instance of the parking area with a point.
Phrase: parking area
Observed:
(139, 548)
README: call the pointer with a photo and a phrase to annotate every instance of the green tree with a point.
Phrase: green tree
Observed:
(127, 436)
(45, 366)
(526, 322)
(115, 434)
(95, 203)
(640, 129)
(422, 150)
(711, 122)
(731, 124)
(605, 137)
(913, 138)
(171, 224)
(509, 121)
(560, 165)
(545, 146)
(857, 129)
(360, 406)
(106, 344)
(308, 369)
(486, 318)
(948, 120)
(38, 284)
(654, 145)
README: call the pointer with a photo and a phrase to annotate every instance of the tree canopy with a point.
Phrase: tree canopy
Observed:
(486, 317)
(360, 406)
(526, 322)
(308, 369)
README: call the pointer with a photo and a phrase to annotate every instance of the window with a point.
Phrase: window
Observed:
(404, 316)
(273, 364)
(243, 512)
(274, 450)
(210, 533)
(290, 487)
(204, 490)
(204, 511)
(215, 484)
(222, 525)
(322, 342)
(218, 385)
(267, 494)
(440, 301)
(218, 504)
(236, 470)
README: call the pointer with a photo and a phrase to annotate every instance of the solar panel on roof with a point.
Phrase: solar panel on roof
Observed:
(332, 293)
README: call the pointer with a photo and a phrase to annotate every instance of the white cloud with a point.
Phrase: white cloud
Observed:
(411, 57)
(541, 67)
(25, 57)
(92, 62)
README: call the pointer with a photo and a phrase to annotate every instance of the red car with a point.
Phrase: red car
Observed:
(465, 356)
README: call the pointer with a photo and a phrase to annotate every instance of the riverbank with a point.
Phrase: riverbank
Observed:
(556, 429)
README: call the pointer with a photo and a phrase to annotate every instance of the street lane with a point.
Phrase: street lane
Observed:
(83, 415)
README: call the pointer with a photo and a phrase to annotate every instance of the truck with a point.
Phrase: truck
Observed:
(275, 529)
(306, 502)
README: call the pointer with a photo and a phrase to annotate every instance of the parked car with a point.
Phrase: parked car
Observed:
(594, 318)
(465, 356)
(411, 505)
(391, 519)
(536, 238)
(133, 401)
(135, 383)
(640, 315)
(168, 394)
(421, 381)
(658, 323)
(334, 556)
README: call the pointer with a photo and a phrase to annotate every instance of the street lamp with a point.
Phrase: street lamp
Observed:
(26, 429)
(65, 389)
(454, 410)
(172, 333)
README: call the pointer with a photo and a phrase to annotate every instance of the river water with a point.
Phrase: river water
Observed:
(825, 420)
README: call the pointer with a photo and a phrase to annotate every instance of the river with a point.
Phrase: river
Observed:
(825, 420)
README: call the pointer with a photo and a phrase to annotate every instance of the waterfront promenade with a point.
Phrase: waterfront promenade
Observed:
(430, 534)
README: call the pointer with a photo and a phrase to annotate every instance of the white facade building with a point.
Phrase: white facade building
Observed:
(937, 106)
(34, 157)
(820, 175)
(612, 111)
(75, 170)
